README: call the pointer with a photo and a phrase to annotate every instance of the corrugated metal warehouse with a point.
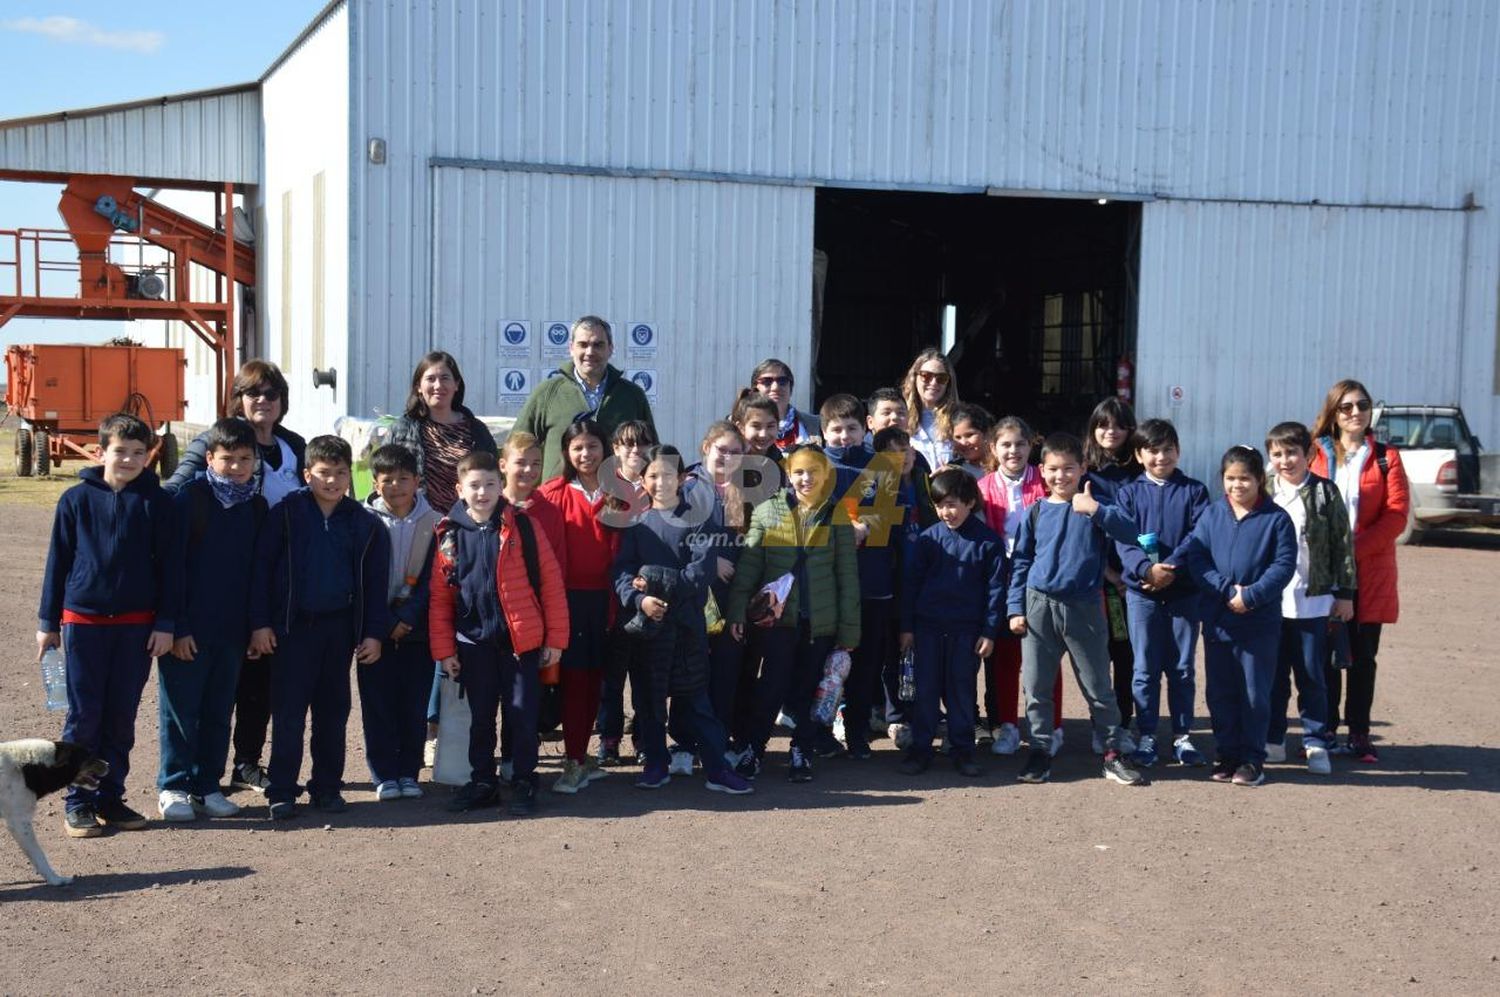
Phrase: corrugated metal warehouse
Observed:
(1247, 198)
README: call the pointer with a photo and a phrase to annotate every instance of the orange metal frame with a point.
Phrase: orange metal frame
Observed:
(104, 286)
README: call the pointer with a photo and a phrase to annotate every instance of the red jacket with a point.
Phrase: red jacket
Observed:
(532, 624)
(1384, 502)
(547, 516)
(590, 544)
(996, 501)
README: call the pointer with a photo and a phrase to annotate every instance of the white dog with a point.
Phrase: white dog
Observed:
(31, 769)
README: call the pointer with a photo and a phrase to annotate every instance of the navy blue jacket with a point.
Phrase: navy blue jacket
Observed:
(283, 570)
(671, 540)
(955, 578)
(111, 552)
(1258, 552)
(877, 561)
(726, 541)
(214, 598)
(1064, 555)
(1170, 510)
(474, 551)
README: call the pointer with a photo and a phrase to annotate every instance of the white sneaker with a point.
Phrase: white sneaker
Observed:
(681, 764)
(901, 734)
(1007, 740)
(388, 790)
(838, 727)
(1057, 741)
(175, 805)
(215, 804)
(1318, 761)
(1275, 752)
(782, 720)
(429, 753)
(409, 789)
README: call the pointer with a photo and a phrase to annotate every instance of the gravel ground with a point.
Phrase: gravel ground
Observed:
(1375, 879)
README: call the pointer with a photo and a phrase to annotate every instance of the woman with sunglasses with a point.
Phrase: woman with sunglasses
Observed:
(1373, 483)
(259, 397)
(773, 379)
(931, 392)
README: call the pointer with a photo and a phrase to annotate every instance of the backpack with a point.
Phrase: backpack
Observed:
(529, 553)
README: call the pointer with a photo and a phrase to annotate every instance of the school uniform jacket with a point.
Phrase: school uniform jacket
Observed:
(1062, 553)
(215, 569)
(671, 540)
(404, 532)
(1170, 510)
(955, 579)
(480, 586)
(1258, 552)
(1384, 503)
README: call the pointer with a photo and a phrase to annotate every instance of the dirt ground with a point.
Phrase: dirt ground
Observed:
(1377, 879)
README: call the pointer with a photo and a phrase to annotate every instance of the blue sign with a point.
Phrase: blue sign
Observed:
(557, 334)
(643, 380)
(515, 333)
(642, 334)
(515, 381)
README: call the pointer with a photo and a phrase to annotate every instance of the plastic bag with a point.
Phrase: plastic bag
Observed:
(712, 617)
(906, 690)
(451, 765)
(767, 604)
(831, 688)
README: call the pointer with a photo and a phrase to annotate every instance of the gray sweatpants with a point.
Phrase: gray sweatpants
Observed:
(1080, 628)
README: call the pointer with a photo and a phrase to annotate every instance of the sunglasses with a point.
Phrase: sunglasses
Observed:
(263, 394)
(773, 382)
(929, 375)
(1349, 408)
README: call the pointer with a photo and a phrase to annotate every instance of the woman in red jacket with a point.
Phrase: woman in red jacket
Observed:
(1370, 478)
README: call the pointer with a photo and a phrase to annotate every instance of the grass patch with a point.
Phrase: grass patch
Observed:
(33, 491)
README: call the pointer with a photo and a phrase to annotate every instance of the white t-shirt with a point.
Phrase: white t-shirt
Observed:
(1346, 476)
(276, 483)
(925, 442)
(1296, 604)
(1013, 510)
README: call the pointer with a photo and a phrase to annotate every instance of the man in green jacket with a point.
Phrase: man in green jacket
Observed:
(585, 384)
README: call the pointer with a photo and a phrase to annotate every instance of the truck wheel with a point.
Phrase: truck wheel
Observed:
(23, 453)
(1413, 533)
(42, 443)
(166, 461)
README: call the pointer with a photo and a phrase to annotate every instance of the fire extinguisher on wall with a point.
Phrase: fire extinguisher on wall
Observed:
(1125, 380)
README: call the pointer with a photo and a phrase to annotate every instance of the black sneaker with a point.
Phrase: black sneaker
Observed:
(1117, 769)
(748, 766)
(82, 822)
(801, 767)
(1038, 767)
(1223, 770)
(914, 764)
(523, 799)
(965, 766)
(115, 814)
(609, 753)
(859, 749)
(825, 745)
(283, 810)
(330, 803)
(249, 775)
(1249, 774)
(472, 796)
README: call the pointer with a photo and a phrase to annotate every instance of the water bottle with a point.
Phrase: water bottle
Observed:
(1151, 544)
(907, 690)
(55, 679)
(830, 687)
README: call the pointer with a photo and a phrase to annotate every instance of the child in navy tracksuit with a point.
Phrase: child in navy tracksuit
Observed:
(108, 598)
(219, 514)
(671, 537)
(393, 691)
(1055, 605)
(318, 597)
(1161, 603)
(894, 456)
(1243, 552)
(952, 599)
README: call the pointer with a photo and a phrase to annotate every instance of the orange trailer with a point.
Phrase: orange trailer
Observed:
(62, 392)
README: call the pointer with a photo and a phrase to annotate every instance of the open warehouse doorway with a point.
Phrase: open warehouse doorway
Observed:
(1034, 299)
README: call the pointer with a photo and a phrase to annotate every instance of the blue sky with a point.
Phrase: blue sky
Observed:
(62, 56)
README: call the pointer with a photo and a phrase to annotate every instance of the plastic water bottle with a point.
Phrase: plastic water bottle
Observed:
(830, 687)
(907, 689)
(55, 679)
(1151, 544)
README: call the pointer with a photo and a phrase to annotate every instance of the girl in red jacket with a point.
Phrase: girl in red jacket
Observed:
(492, 629)
(1013, 487)
(1370, 478)
(580, 495)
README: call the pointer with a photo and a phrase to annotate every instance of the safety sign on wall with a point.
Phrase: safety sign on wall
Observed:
(640, 341)
(513, 385)
(515, 339)
(647, 380)
(554, 340)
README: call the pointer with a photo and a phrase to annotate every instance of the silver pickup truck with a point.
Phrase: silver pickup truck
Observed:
(1452, 480)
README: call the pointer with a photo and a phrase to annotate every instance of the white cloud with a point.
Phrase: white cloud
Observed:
(72, 30)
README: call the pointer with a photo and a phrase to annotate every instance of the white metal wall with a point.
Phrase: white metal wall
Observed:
(723, 270)
(306, 103)
(1255, 310)
(214, 137)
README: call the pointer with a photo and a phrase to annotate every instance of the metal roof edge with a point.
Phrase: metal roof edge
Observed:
(313, 25)
(53, 117)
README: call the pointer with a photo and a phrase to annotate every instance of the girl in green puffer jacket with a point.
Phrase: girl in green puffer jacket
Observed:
(795, 532)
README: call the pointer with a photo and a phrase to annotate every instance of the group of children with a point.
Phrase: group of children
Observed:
(717, 590)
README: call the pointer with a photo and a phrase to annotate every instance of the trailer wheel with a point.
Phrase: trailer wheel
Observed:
(166, 461)
(23, 452)
(41, 444)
